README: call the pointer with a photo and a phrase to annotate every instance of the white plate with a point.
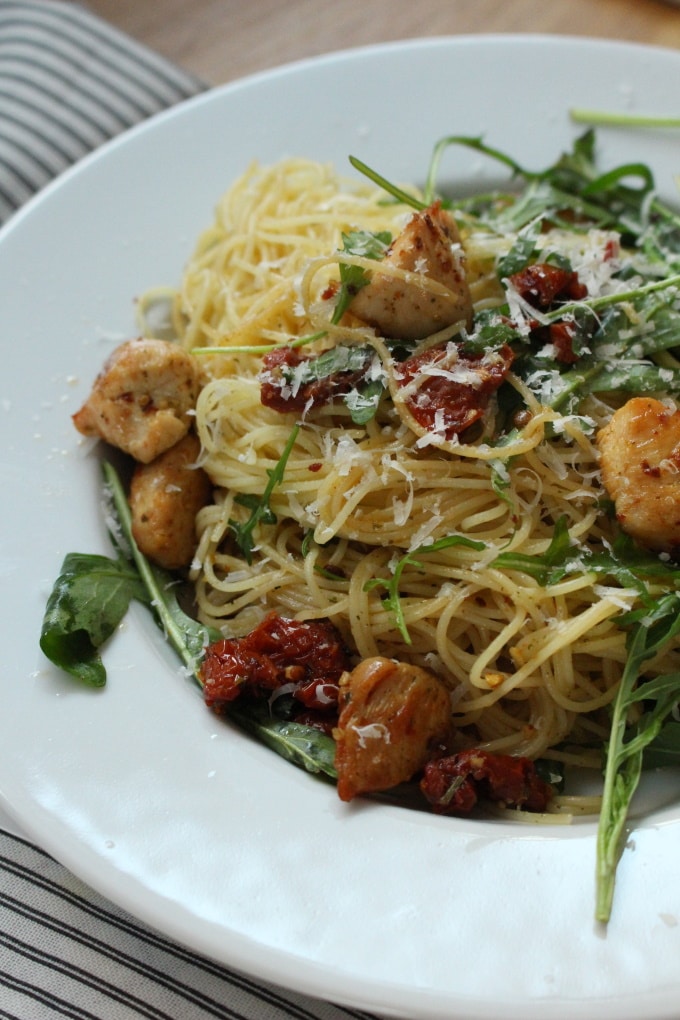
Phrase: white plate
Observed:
(138, 788)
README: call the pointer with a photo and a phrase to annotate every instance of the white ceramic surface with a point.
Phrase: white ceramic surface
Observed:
(138, 788)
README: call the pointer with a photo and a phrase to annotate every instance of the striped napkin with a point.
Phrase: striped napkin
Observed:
(69, 82)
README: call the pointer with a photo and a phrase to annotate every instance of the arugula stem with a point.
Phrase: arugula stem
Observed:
(150, 577)
(477, 145)
(299, 341)
(606, 300)
(627, 743)
(617, 792)
(382, 182)
(599, 118)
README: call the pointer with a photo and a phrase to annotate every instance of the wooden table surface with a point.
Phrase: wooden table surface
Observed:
(220, 40)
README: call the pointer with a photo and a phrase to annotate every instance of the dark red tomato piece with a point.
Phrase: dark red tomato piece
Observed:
(542, 284)
(319, 694)
(310, 655)
(561, 336)
(449, 390)
(454, 784)
(281, 391)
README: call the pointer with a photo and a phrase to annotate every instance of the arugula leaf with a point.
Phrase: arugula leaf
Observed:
(366, 245)
(92, 595)
(475, 143)
(652, 625)
(304, 746)
(364, 402)
(341, 358)
(260, 510)
(664, 750)
(521, 252)
(393, 599)
(548, 568)
(492, 330)
(87, 602)
(186, 635)
(500, 481)
(627, 743)
(623, 561)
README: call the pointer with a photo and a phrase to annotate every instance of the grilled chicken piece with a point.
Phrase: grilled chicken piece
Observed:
(140, 401)
(429, 245)
(165, 497)
(640, 462)
(391, 716)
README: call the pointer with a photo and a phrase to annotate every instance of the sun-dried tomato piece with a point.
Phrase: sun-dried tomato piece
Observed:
(448, 390)
(310, 655)
(454, 784)
(562, 338)
(542, 284)
(282, 389)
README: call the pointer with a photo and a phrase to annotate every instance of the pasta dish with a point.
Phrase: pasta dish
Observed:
(433, 451)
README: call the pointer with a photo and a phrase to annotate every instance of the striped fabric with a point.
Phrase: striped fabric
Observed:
(68, 82)
(67, 952)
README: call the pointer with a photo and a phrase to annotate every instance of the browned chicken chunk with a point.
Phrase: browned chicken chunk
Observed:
(640, 462)
(165, 497)
(428, 246)
(391, 716)
(141, 400)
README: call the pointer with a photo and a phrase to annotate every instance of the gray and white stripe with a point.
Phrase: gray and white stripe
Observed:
(65, 951)
(68, 83)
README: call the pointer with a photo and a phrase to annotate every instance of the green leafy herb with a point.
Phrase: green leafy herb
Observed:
(341, 358)
(500, 481)
(260, 510)
(92, 595)
(603, 118)
(548, 568)
(491, 330)
(623, 562)
(260, 349)
(664, 750)
(186, 635)
(628, 741)
(522, 251)
(89, 599)
(393, 598)
(397, 193)
(304, 746)
(469, 142)
(364, 401)
(363, 244)
(646, 740)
